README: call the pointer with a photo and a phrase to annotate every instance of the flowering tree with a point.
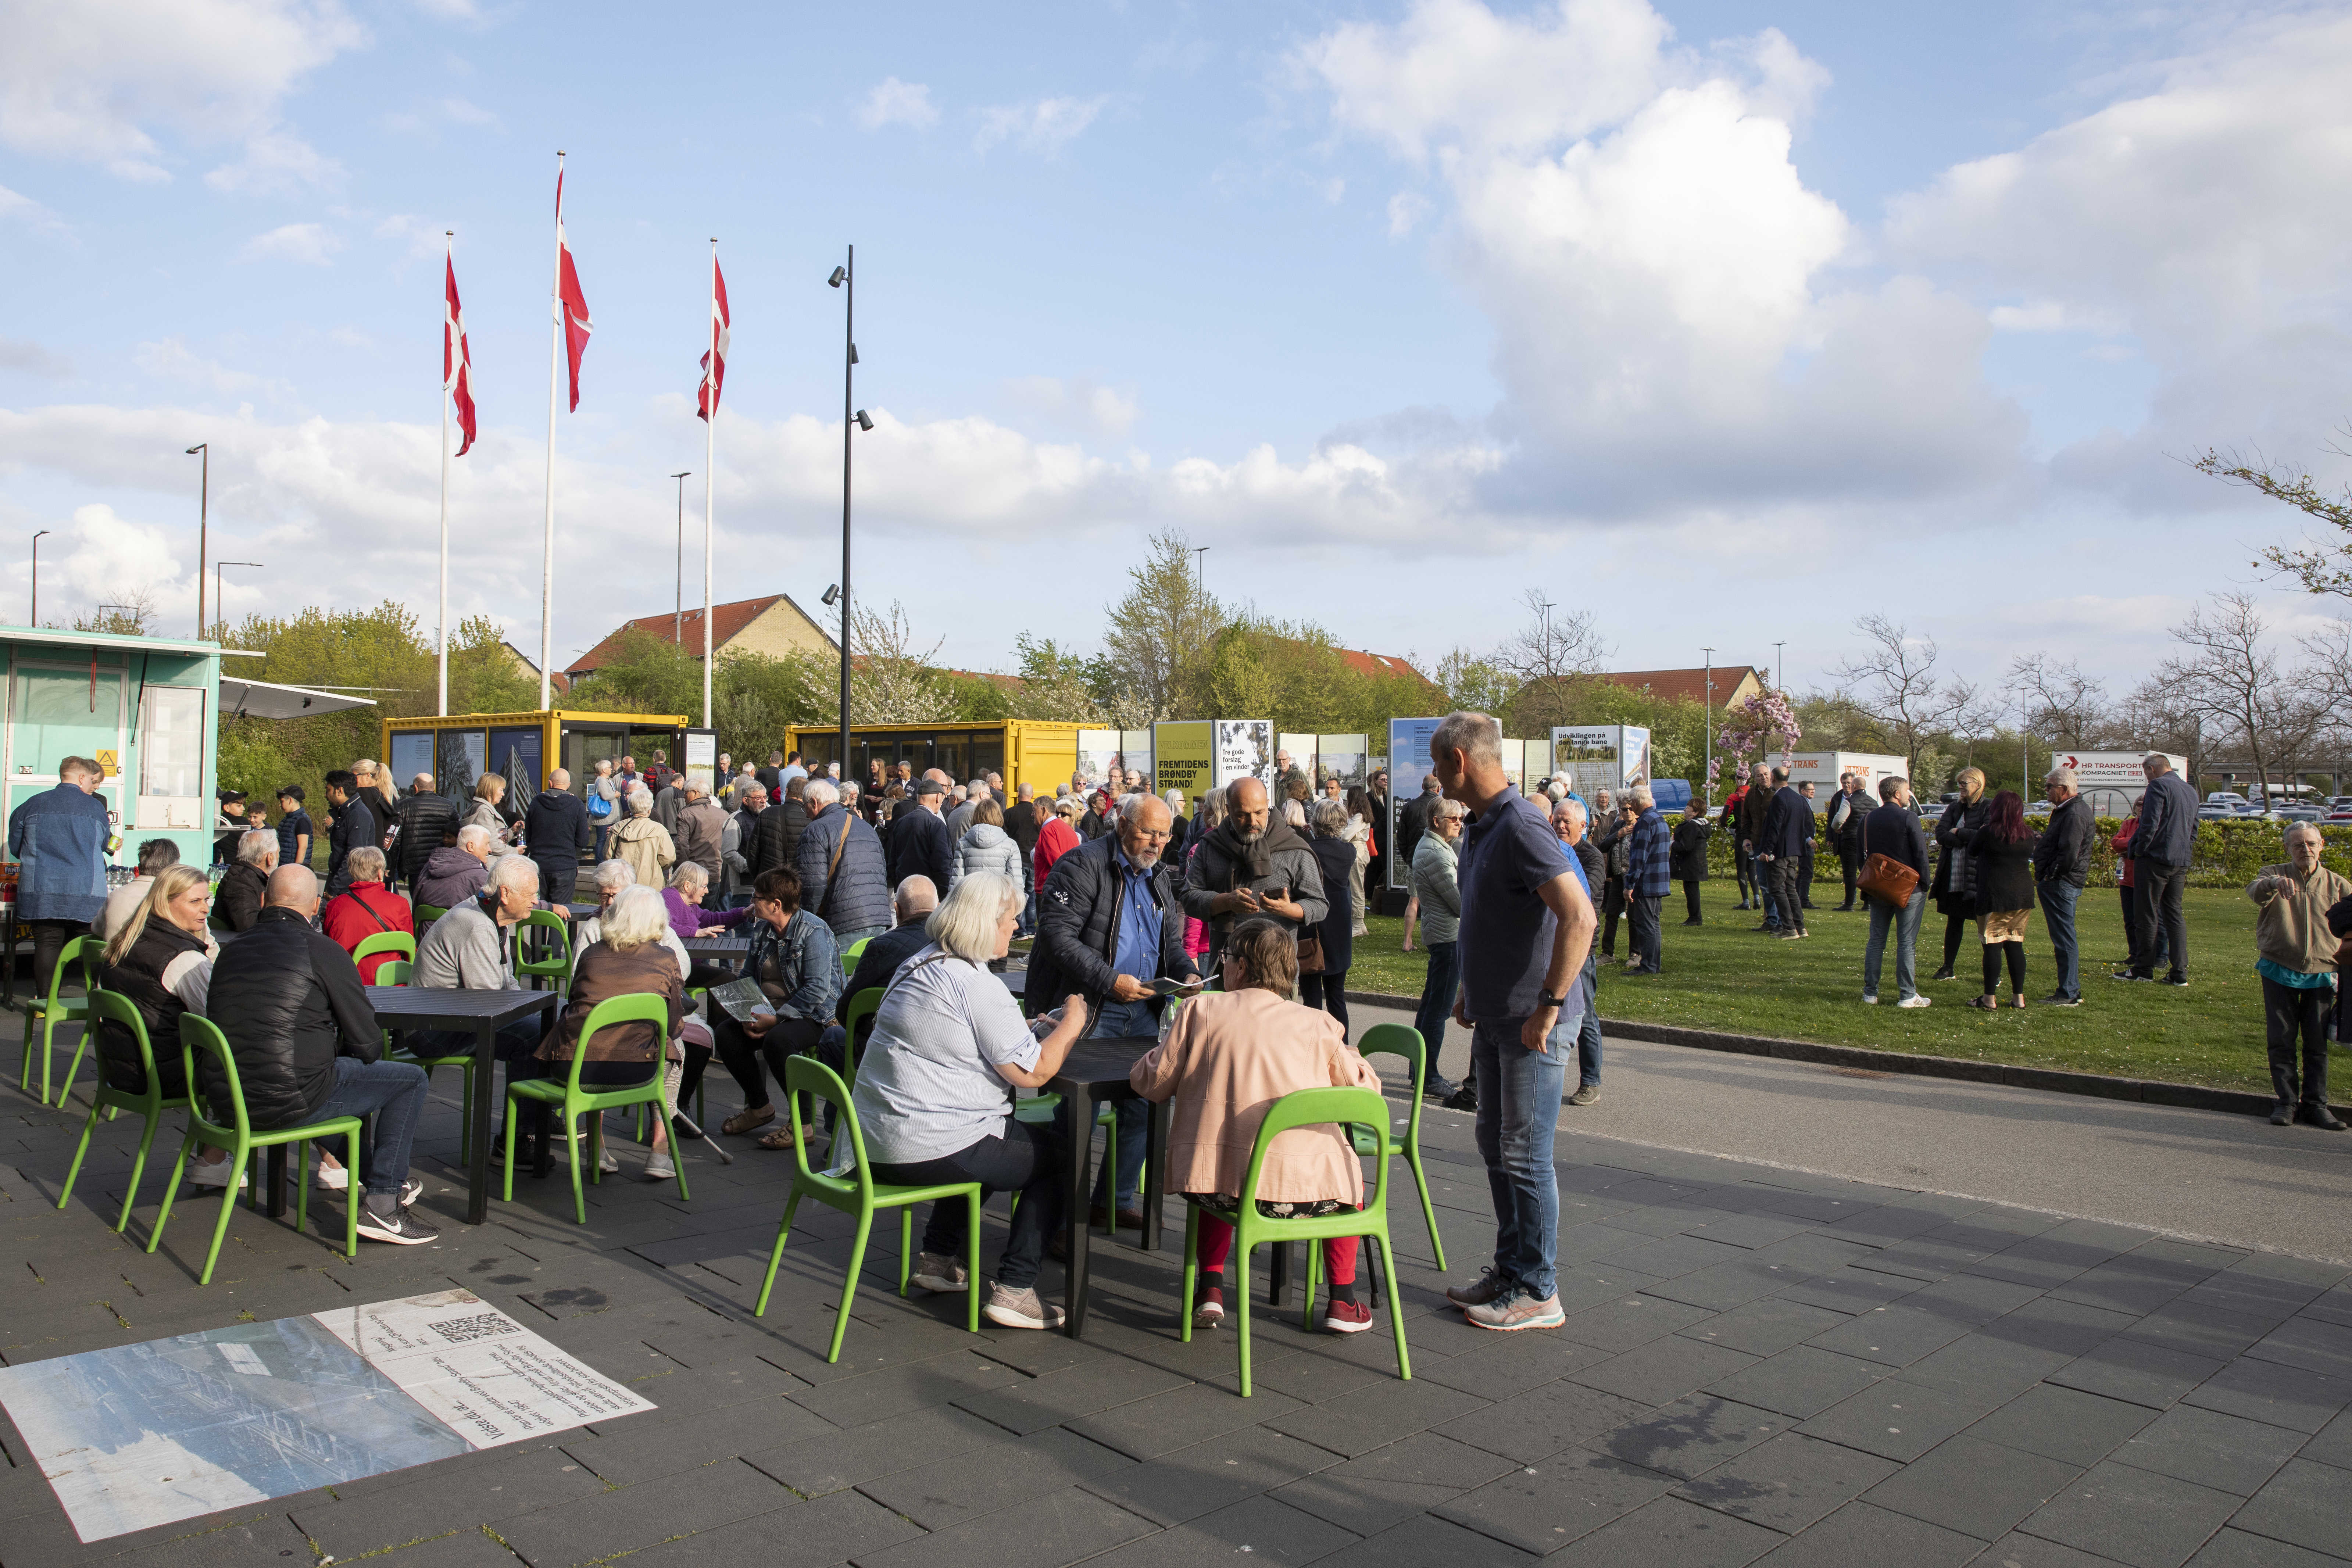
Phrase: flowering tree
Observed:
(1756, 721)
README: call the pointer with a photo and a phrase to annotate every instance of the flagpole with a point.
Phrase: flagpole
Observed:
(448, 353)
(554, 379)
(709, 477)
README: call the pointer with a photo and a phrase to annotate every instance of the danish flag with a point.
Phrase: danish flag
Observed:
(457, 360)
(570, 305)
(714, 361)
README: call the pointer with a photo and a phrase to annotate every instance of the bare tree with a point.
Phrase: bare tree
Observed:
(1895, 682)
(2060, 703)
(1548, 658)
(2230, 676)
(2319, 566)
(134, 616)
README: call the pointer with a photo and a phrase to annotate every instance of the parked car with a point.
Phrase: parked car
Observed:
(2296, 814)
(2216, 814)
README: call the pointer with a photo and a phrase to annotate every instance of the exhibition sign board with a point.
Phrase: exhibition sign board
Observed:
(1244, 750)
(1183, 758)
(1294, 750)
(1514, 764)
(1612, 757)
(1408, 765)
(1538, 760)
(1346, 758)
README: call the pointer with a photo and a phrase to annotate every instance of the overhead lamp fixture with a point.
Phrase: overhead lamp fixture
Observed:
(839, 273)
(833, 594)
(863, 423)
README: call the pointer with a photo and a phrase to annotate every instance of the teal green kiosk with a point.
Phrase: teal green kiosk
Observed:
(148, 710)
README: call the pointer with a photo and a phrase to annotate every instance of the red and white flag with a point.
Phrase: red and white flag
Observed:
(569, 301)
(457, 360)
(714, 360)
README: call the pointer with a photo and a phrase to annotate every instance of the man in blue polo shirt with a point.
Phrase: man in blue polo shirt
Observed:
(1527, 929)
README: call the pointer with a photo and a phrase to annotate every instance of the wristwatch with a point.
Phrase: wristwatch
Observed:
(1549, 1001)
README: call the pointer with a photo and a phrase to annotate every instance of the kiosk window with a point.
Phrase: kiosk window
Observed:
(172, 743)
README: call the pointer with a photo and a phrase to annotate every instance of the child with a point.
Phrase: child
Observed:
(1228, 1056)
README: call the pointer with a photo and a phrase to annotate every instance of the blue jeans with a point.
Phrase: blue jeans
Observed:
(1437, 998)
(1905, 922)
(1119, 1020)
(1519, 1110)
(2058, 901)
(1761, 874)
(392, 1093)
(1588, 1049)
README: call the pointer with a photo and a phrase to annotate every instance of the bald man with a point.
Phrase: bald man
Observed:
(307, 1048)
(1252, 866)
(556, 833)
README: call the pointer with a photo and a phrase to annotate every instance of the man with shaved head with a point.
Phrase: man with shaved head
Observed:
(307, 1048)
(1253, 864)
(556, 833)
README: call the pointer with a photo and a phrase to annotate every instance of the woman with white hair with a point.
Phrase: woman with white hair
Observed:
(645, 843)
(933, 1103)
(244, 887)
(628, 958)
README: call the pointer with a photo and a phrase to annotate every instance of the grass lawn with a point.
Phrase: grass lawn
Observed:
(1724, 976)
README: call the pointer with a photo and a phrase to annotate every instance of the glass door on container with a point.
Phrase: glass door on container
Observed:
(459, 757)
(411, 754)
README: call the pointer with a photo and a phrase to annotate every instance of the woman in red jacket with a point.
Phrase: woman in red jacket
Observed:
(2124, 867)
(1056, 838)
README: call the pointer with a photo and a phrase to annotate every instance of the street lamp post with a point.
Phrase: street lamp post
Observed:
(1707, 780)
(1200, 573)
(1780, 668)
(845, 277)
(219, 605)
(204, 511)
(36, 620)
(678, 617)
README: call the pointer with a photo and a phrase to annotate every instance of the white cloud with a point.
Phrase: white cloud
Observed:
(97, 82)
(1406, 211)
(419, 240)
(1082, 404)
(22, 209)
(28, 358)
(463, 112)
(277, 163)
(313, 244)
(173, 360)
(895, 102)
(1045, 126)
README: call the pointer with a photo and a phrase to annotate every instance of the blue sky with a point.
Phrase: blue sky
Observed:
(1726, 322)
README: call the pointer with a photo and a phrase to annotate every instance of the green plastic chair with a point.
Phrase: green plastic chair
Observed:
(557, 966)
(576, 1101)
(201, 1034)
(399, 943)
(394, 972)
(850, 956)
(423, 915)
(862, 1008)
(1403, 1040)
(858, 1194)
(1359, 1108)
(151, 1103)
(82, 953)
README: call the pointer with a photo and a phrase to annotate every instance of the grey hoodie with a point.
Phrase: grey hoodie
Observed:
(985, 847)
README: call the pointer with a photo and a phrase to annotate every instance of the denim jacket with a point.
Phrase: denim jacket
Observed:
(802, 961)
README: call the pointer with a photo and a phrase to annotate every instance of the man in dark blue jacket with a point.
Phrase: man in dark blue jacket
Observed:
(1781, 848)
(556, 834)
(1894, 830)
(1647, 882)
(1108, 924)
(2160, 851)
(355, 827)
(920, 842)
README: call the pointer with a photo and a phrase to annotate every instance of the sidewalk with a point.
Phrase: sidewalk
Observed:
(1760, 1365)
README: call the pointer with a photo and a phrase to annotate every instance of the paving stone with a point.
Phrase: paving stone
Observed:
(1788, 1482)
(815, 1466)
(2069, 1328)
(196, 1544)
(1259, 1527)
(2064, 1424)
(1979, 1364)
(1210, 1475)
(1193, 1413)
(2234, 1548)
(2033, 1551)
(1764, 1327)
(2133, 1516)
(1746, 1278)
(951, 1490)
(1900, 1420)
(1799, 1382)
(480, 1487)
(2201, 1328)
(1626, 1321)
(467, 1548)
(2121, 1289)
(1850, 1290)
(1691, 1436)
(611, 1522)
(1674, 1256)
(1062, 1527)
(1860, 1535)
(1977, 1488)
(2308, 1343)
(1542, 1506)
(1673, 1530)
(1031, 1404)
(625, 1455)
(2144, 1373)
(1368, 1494)
(1424, 1540)
(812, 1534)
(2333, 1443)
(1662, 1371)
(2305, 1503)
(1894, 1336)
(895, 1390)
(1542, 1421)
(1507, 1364)
(2229, 1453)
(1751, 1229)
(1376, 1414)
(2268, 1391)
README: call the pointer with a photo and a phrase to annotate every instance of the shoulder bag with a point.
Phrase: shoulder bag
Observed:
(1884, 877)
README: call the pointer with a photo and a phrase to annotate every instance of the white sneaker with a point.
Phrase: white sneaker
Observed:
(215, 1175)
(1915, 1002)
(608, 1162)
(332, 1178)
(1869, 1000)
(945, 1275)
(659, 1168)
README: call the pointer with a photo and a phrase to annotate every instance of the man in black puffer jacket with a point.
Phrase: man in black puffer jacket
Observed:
(426, 819)
(308, 1047)
(556, 834)
(776, 845)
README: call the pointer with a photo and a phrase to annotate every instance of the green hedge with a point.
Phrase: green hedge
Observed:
(2228, 855)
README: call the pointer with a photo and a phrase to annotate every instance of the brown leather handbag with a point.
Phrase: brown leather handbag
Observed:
(1884, 877)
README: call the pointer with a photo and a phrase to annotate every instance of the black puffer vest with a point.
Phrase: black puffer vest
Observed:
(140, 977)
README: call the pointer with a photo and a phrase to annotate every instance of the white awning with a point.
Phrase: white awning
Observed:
(265, 699)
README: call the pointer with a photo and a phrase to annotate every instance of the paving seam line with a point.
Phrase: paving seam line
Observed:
(2147, 1091)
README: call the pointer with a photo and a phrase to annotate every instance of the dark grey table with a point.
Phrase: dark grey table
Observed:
(484, 1013)
(718, 946)
(1094, 1072)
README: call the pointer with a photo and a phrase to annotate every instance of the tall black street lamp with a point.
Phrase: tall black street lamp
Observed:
(845, 277)
(678, 616)
(203, 510)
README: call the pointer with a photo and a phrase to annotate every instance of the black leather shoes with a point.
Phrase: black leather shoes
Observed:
(2281, 1113)
(2319, 1116)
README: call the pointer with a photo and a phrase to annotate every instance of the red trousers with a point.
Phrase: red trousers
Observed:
(1217, 1244)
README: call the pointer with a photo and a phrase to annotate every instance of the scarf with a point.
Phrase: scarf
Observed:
(1254, 862)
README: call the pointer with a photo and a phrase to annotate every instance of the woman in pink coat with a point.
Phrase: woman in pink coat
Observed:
(1228, 1056)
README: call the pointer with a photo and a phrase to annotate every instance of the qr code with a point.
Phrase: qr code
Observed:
(462, 1331)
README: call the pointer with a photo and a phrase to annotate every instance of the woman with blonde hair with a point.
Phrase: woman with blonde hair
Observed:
(1228, 1057)
(160, 960)
(1955, 831)
(488, 790)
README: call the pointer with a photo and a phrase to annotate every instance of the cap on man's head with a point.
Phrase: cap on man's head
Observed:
(929, 787)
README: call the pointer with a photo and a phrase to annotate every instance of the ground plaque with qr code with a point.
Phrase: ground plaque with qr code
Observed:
(148, 1434)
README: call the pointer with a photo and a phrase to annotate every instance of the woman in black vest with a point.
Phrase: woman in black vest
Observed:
(161, 961)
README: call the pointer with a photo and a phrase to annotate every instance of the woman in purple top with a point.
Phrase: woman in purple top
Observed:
(683, 896)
